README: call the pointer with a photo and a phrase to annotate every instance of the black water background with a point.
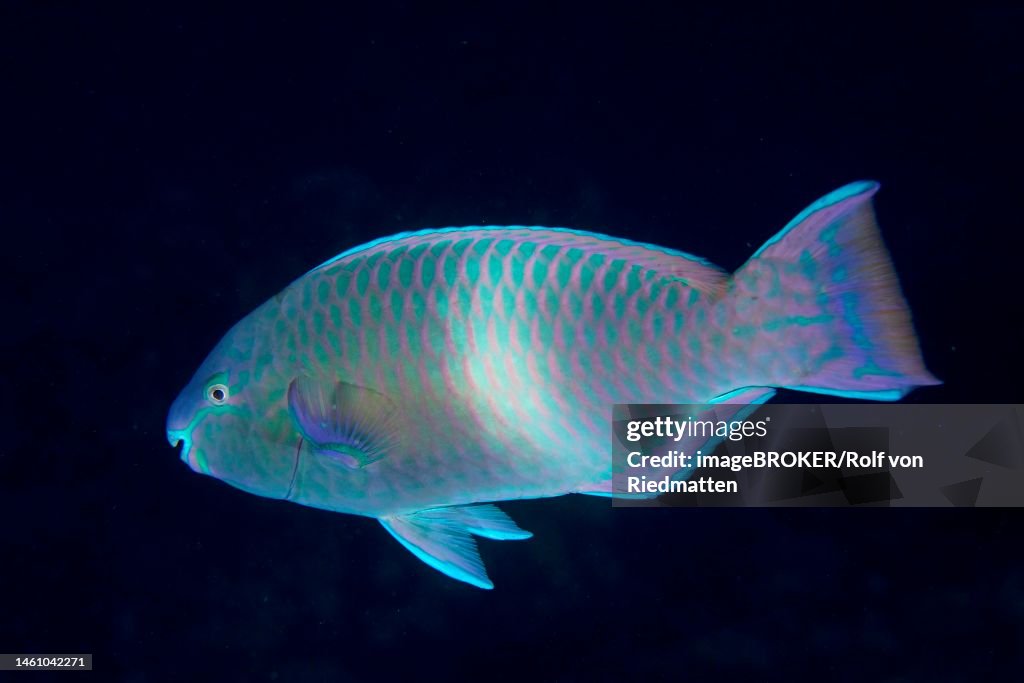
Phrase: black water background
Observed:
(164, 171)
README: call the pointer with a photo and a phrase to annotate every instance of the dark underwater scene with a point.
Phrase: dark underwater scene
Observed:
(167, 171)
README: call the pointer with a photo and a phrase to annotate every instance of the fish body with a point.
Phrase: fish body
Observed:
(419, 378)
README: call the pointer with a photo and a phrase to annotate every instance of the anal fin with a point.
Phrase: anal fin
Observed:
(443, 537)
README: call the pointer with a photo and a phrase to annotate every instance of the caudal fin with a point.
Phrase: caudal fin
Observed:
(831, 303)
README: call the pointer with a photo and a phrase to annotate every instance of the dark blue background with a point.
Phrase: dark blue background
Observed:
(163, 172)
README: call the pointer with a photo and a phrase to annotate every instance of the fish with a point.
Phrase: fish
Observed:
(420, 379)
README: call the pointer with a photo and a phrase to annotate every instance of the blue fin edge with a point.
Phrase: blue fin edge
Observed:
(472, 228)
(834, 197)
(882, 395)
(443, 567)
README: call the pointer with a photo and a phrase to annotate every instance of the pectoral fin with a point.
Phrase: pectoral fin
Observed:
(346, 423)
(443, 537)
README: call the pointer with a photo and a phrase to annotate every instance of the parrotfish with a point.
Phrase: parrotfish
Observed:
(420, 378)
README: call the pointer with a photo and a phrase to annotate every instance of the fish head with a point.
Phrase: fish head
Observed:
(232, 419)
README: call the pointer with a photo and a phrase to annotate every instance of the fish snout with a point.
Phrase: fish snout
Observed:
(179, 417)
(179, 426)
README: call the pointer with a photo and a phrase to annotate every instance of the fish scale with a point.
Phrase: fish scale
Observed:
(419, 378)
(456, 328)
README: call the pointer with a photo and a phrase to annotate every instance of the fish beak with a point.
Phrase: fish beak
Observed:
(188, 455)
(176, 436)
(178, 427)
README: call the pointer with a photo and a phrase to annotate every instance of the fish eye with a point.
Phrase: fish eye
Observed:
(217, 394)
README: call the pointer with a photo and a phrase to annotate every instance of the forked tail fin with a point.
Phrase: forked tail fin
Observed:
(832, 311)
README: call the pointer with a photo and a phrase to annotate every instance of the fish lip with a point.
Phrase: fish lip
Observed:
(177, 436)
(188, 454)
(180, 436)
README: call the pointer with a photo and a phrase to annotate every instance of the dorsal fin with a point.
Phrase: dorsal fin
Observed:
(691, 270)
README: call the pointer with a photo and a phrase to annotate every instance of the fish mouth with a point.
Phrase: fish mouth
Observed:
(179, 430)
(178, 436)
(195, 458)
(188, 454)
